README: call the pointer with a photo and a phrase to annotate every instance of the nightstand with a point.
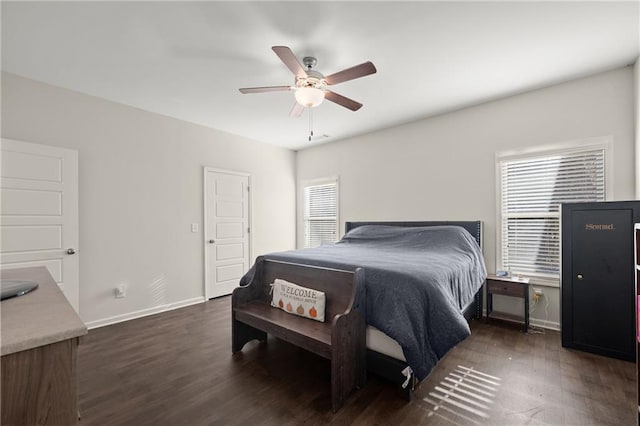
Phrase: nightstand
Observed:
(508, 286)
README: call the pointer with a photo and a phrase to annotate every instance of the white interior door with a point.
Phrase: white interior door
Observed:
(226, 230)
(39, 212)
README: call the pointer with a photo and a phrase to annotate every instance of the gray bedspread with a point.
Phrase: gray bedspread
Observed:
(417, 281)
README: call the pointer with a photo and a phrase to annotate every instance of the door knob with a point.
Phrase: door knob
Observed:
(212, 241)
(71, 251)
(580, 277)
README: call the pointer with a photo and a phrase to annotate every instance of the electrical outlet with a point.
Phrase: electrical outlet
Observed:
(537, 294)
(120, 291)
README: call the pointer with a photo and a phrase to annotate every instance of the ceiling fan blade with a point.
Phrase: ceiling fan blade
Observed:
(296, 110)
(343, 101)
(351, 73)
(265, 89)
(286, 55)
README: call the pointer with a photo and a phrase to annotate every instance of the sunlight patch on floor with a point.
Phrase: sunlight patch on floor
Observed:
(465, 393)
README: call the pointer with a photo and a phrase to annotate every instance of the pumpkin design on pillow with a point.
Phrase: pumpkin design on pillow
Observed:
(300, 310)
(281, 304)
(313, 313)
(289, 307)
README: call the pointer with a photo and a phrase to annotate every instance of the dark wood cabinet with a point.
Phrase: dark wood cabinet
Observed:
(39, 385)
(39, 345)
(636, 233)
(598, 283)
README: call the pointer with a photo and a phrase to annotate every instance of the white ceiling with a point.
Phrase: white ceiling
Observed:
(187, 60)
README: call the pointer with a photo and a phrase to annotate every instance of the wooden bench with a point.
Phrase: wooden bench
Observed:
(341, 338)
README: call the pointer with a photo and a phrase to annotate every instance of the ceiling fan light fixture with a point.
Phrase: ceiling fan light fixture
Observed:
(309, 96)
(311, 87)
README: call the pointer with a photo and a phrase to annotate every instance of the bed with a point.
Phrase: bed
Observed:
(423, 282)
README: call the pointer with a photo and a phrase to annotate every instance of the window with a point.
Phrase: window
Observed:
(320, 212)
(531, 188)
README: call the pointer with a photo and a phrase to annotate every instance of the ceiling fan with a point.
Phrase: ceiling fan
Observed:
(311, 86)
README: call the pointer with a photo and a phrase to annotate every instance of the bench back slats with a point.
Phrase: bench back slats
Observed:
(338, 285)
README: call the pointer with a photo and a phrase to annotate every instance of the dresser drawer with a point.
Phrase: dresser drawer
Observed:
(506, 288)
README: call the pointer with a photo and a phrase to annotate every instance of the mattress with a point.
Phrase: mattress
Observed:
(380, 342)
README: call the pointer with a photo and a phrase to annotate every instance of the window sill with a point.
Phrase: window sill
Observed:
(544, 281)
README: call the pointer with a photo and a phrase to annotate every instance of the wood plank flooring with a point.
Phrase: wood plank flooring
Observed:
(176, 368)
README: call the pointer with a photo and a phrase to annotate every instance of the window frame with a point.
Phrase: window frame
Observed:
(317, 182)
(604, 143)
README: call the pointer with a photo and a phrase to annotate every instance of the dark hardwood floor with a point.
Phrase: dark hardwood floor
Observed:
(176, 368)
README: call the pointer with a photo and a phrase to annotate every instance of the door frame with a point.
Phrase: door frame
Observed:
(205, 171)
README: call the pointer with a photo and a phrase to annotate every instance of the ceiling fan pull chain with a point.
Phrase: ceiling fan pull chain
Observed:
(310, 125)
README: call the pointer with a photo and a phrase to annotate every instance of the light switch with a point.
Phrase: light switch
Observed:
(194, 227)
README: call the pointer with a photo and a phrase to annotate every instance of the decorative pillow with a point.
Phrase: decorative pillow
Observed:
(298, 300)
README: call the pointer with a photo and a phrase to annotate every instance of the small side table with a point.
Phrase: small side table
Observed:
(509, 286)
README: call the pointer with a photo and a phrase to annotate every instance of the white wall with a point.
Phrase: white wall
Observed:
(636, 92)
(442, 168)
(141, 188)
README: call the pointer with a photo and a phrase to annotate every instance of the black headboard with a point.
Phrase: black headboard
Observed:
(474, 227)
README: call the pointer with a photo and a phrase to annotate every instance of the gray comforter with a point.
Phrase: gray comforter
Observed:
(417, 280)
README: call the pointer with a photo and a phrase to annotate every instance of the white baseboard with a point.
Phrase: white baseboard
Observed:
(533, 322)
(144, 312)
(549, 325)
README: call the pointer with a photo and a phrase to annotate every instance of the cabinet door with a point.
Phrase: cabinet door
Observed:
(602, 287)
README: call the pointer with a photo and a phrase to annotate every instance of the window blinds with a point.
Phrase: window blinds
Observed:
(532, 189)
(320, 214)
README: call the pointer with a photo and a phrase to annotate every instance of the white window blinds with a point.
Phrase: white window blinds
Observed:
(320, 213)
(532, 189)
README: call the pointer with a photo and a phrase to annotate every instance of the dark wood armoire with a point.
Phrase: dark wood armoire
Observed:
(598, 296)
